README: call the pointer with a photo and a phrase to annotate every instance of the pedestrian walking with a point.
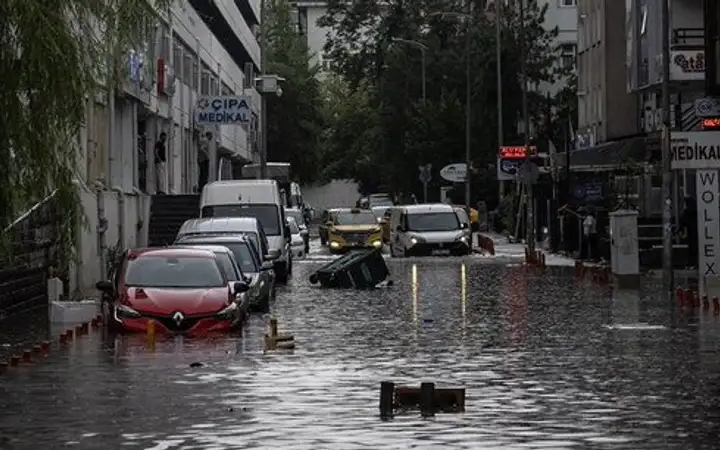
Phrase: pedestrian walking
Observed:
(689, 227)
(161, 164)
(590, 234)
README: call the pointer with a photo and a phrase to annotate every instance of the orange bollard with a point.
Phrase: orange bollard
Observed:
(63, 338)
(94, 324)
(680, 296)
(69, 334)
(705, 302)
(27, 355)
(45, 345)
(716, 306)
(37, 348)
(85, 327)
(79, 330)
(3, 365)
(14, 361)
(689, 301)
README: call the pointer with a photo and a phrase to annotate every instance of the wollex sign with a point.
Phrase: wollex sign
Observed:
(708, 225)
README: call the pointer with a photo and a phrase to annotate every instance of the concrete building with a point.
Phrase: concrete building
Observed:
(308, 12)
(563, 15)
(199, 48)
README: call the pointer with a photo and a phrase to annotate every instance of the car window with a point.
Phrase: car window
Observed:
(174, 272)
(228, 267)
(356, 218)
(243, 255)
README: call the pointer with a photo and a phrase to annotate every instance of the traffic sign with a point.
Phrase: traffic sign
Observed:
(223, 110)
(707, 107)
(507, 169)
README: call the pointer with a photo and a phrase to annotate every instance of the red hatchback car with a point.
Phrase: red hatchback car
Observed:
(181, 290)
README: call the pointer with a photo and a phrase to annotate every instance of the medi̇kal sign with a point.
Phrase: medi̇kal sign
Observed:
(695, 150)
(223, 110)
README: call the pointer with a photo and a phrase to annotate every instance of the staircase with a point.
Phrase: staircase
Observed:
(167, 214)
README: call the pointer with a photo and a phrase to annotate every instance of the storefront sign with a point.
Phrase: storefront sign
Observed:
(517, 152)
(695, 150)
(708, 215)
(687, 65)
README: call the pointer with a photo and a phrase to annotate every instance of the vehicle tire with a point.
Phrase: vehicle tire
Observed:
(281, 273)
(314, 279)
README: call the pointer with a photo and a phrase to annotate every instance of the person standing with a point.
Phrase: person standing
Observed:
(689, 224)
(161, 164)
(590, 234)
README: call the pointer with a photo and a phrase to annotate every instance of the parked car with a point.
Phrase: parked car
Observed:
(326, 219)
(428, 229)
(178, 289)
(297, 243)
(261, 274)
(220, 226)
(299, 217)
(353, 228)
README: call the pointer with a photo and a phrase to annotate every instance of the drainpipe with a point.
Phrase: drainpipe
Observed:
(170, 146)
(101, 227)
(79, 282)
(121, 216)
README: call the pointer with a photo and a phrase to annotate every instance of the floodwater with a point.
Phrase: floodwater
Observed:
(547, 362)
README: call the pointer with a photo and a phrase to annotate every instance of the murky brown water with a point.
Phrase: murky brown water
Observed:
(546, 364)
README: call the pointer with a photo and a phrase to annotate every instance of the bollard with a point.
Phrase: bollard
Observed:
(45, 345)
(85, 327)
(387, 394)
(543, 261)
(705, 302)
(37, 348)
(3, 365)
(63, 338)
(427, 399)
(716, 306)
(273, 328)
(680, 296)
(79, 330)
(689, 301)
(150, 332)
(69, 334)
(27, 355)
(14, 361)
(94, 324)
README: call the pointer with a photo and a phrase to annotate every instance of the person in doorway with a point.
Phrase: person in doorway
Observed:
(689, 227)
(161, 164)
(590, 234)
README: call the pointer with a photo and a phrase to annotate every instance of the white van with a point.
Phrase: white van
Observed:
(428, 229)
(253, 198)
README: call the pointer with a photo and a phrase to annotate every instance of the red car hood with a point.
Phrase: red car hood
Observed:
(168, 300)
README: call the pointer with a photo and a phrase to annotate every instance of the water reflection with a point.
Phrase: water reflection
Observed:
(463, 295)
(415, 289)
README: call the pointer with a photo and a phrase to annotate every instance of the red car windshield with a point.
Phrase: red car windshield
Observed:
(173, 272)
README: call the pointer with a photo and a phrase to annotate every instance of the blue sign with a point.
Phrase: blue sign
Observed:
(223, 110)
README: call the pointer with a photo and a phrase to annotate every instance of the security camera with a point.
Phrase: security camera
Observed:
(279, 91)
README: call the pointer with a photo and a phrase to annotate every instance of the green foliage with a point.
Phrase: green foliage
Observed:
(53, 55)
(387, 74)
(295, 120)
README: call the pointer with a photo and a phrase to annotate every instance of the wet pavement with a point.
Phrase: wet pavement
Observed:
(547, 363)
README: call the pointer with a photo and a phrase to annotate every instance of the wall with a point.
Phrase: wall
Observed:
(316, 36)
(136, 208)
(336, 194)
(565, 18)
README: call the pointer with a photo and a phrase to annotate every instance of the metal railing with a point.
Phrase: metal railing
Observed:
(30, 211)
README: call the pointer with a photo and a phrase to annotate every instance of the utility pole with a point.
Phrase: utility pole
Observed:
(498, 56)
(667, 174)
(263, 100)
(529, 219)
(468, 112)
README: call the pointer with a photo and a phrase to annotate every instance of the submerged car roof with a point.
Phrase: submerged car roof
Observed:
(219, 224)
(214, 239)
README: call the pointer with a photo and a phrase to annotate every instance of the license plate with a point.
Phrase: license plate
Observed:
(440, 252)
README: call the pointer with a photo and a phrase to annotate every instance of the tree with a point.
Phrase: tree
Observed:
(54, 55)
(295, 119)
(363, 46)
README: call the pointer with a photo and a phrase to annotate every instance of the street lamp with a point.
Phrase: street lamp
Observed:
(266, 84)
(423, 48)
(468, 87)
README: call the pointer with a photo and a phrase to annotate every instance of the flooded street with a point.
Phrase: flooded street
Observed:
(547, 362)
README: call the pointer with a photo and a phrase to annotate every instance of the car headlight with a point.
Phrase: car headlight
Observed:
(377, 244)
(228, 312)
(463, 239)
(123, 311)
(413, 241)
(334, 244)
(379, 220)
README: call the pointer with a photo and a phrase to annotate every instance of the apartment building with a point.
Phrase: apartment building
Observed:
(199, 48)
(562, 14)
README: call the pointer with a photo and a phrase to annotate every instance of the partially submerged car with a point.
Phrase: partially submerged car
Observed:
(177, 289)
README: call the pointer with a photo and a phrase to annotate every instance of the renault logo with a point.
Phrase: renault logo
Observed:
(178, 317)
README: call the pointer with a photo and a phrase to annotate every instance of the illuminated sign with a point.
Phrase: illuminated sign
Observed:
(711, 123)
(517, 152)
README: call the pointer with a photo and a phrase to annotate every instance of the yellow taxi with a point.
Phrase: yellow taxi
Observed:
(353, 228)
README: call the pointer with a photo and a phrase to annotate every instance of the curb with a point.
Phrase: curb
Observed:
(43, 348)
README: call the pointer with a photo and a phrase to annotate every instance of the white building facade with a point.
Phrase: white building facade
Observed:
(186, 58)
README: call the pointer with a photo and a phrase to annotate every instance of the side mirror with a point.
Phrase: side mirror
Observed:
(104, 286)
(240, 286)
(267, 265)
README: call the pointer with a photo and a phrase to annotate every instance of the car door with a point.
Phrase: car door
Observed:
(266, 278)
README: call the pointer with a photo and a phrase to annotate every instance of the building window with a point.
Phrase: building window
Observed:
(564, 3)
(568, 55)
(177, 61)
(326, 63)
(225, 90)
